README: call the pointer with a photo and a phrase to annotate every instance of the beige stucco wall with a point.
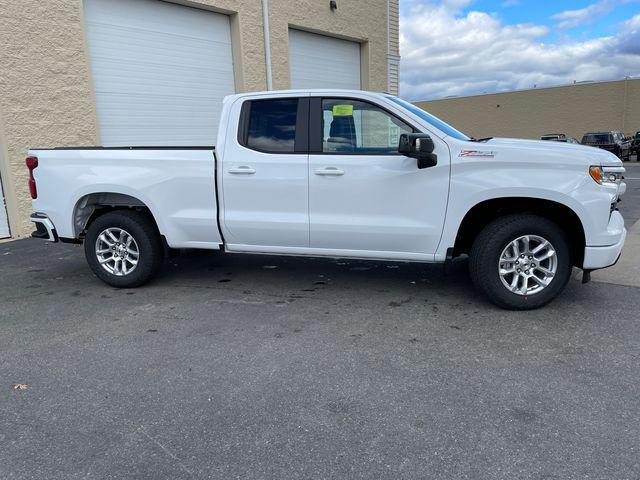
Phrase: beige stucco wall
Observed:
(46, 96)
(573, 110)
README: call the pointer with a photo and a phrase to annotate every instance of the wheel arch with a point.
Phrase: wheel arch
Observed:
(483, 213)
(92, 205)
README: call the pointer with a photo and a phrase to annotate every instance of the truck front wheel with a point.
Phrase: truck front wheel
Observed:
(123, 248)
(521, 262)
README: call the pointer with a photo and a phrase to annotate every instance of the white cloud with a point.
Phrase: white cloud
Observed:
(584, 16)
(587, 15)
(446, 53)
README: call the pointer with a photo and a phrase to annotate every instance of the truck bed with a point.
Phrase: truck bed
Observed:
(177, 184)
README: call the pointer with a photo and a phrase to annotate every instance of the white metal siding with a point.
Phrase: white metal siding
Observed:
(160, 71)
(393, 80)
(318, 61)
(4, 222)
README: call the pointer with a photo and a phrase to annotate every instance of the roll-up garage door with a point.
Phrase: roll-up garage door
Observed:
(318, 61)
(160, 71)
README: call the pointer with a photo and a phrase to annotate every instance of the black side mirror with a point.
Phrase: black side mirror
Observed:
(418, 146)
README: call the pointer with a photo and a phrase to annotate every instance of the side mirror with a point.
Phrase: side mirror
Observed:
(418, 146)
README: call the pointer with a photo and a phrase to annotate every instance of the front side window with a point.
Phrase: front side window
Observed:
(272, 125)
(354, 127)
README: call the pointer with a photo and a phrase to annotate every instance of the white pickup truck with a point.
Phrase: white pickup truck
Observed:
(347, 174)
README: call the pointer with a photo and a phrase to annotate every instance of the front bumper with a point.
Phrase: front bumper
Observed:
(44, 228)
(603, 257)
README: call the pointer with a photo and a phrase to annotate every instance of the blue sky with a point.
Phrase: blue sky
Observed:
(463, 47)
(541, 12)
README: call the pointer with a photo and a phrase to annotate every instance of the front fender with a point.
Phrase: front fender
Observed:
(567, 185)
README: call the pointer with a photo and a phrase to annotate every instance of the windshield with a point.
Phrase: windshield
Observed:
(427, 117)
(597, 139)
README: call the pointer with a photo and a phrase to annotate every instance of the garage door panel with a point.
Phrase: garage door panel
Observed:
(151, 16)
(118, 43)
(128, 116)
(318, 61)
(127, 79)
(159, 70)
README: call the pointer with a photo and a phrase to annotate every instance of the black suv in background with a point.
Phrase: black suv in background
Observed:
(614, 141)
(635, 145)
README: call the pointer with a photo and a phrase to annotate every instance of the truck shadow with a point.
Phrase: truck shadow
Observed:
(277, 273)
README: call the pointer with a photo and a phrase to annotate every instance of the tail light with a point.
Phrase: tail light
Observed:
(32, 164)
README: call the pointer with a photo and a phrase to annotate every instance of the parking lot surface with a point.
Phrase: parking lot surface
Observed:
(273, 368)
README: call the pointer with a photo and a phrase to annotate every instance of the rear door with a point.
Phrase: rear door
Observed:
(364, 197)
(265, 182)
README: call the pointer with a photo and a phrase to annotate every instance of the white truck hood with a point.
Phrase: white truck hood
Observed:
(507, 148)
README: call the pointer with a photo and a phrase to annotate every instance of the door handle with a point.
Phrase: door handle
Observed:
(243, 170)
(329, 171)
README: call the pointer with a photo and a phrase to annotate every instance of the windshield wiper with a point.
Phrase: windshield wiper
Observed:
(479, 140)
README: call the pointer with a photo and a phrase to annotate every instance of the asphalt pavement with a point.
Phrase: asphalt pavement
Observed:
(259, 367)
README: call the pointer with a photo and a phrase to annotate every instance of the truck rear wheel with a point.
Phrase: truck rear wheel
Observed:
(521, 262)
(124, 249)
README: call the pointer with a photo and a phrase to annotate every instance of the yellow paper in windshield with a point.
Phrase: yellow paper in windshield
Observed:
(343, 110)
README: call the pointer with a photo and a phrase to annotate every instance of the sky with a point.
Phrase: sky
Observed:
(467, 47)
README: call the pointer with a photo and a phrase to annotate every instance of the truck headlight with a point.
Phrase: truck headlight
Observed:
(606, 175)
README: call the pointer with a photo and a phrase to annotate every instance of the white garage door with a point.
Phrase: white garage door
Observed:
(318, 61)
(160, 71)
(4, 223)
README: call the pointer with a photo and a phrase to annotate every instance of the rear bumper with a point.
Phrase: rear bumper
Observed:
(44, 228)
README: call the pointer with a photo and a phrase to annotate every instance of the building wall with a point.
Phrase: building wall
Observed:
(46, 96)
(573, 110)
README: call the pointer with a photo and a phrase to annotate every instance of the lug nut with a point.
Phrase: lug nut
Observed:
(527, 272)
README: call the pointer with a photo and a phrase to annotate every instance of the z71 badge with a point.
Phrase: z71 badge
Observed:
(477, 153)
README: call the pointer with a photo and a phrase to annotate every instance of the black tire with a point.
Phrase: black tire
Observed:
(487, 250)
(145, 234)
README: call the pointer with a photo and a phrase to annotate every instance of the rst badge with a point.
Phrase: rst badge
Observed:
(477, 153)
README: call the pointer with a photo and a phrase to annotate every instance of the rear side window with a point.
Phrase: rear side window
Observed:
(270, 125)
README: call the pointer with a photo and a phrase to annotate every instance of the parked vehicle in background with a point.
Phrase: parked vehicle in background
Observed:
(342, 174)
(635, 145)
(559, 137)
(614, 141)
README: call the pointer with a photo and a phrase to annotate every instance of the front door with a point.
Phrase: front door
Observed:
(265, 182)
(365, 196)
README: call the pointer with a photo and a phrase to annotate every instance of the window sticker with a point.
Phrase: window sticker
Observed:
(343, 110)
